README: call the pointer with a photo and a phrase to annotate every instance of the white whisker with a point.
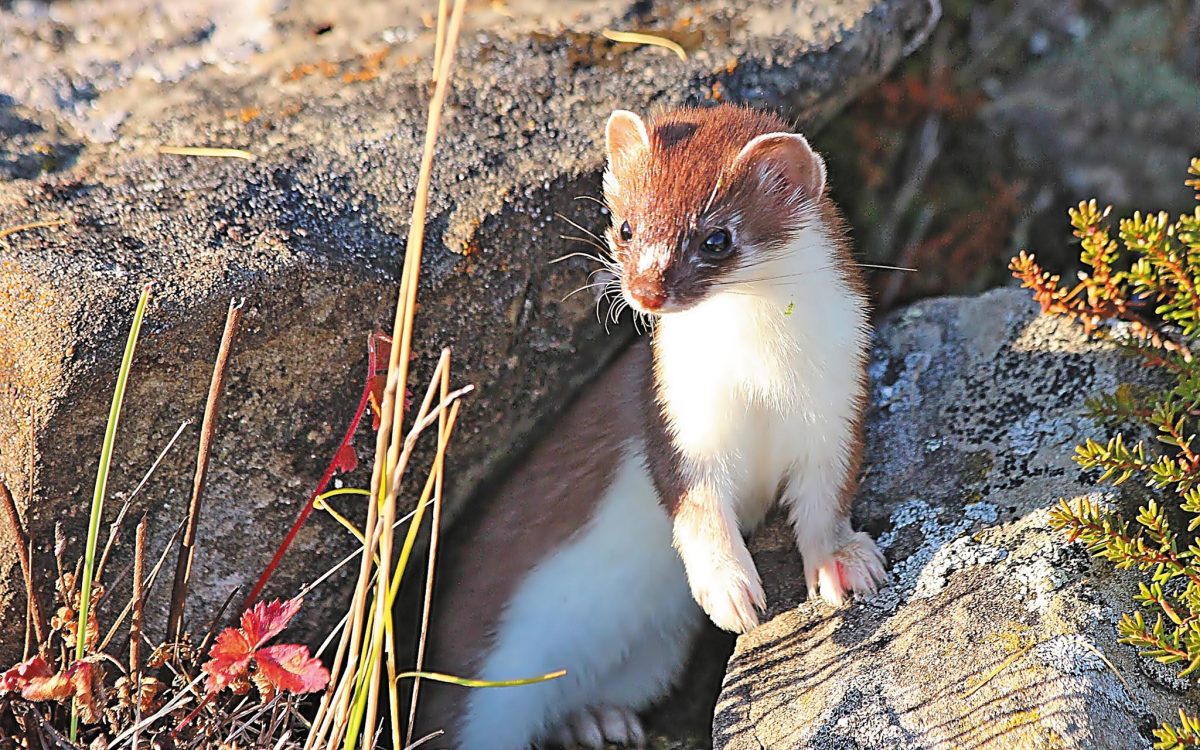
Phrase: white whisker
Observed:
(585, 241)
(580, 227)
(580, 289)
(568, 256)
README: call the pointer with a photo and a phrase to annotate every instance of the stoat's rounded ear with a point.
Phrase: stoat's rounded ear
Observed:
(787, 156)
(625, 137)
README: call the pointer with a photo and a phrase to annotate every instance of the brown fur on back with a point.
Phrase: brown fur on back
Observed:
(544, 501)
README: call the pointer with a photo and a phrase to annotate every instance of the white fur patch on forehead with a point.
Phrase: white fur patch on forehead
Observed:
(785, 156)
(656, 256)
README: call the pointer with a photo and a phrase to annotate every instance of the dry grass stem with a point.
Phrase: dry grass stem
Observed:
(220, 153)
(138, 601)
(653, 40)
(175, 704)
(22, 543)
(398, 456)
(183, 567)
(149, 584)
(434, 534)
(114, 529)
(439, 41)
(1112, 667)
(8, 231)
(388, 466)
(992, 674)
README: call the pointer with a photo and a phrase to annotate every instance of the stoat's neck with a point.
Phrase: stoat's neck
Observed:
(767, 334)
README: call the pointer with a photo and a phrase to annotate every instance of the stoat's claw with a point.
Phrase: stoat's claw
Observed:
(595, 728)
(731, 596)
(858, 567)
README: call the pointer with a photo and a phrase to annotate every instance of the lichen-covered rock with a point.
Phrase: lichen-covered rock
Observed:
(330, 98)
(992, 633)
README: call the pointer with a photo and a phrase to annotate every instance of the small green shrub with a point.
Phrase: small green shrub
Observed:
(1149, 277)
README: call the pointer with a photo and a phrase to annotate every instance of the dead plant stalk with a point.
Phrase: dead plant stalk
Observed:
(187, 547)
(386, 470)
(135, 624)
(434, 528)
(23, 546)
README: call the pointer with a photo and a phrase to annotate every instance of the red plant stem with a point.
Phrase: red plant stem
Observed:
(351, 428)
(1154, 558)
(23, 547)
(195, 712)
(187, 547)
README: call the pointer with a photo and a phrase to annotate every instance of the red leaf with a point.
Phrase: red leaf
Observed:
(346, 458)
(15, 679)
(266, 620)
(53, 688)
(289, 667)
(230, 656)
(36, 681)
(84, 682)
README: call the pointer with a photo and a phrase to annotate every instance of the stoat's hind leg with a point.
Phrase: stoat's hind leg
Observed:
(645, 675)
(597, 728)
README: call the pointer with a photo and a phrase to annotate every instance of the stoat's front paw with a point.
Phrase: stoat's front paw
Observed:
(730, 594)
(595, 728)
(857, 567)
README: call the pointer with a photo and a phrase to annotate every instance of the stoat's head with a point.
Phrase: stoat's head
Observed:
(700, 197)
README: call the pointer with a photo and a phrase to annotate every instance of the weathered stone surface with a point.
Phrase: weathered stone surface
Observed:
(991, 631)
(1116, 115)
(330, 98)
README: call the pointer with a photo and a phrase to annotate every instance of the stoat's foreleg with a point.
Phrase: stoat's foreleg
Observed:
(837, 559)
(720, 572)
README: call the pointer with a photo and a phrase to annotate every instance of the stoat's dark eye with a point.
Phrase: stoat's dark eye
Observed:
(626, 232)
(717, 244)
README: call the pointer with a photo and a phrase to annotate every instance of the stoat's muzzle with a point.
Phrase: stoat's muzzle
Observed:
(646, 291)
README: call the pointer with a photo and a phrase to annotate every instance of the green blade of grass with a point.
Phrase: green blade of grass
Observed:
(110, 437)
(467, 682)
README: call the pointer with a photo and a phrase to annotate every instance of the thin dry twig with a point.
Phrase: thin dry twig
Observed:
(991, 675)
(651, 40)
(434, 534)
(114, 529)
(24, 546)
(183, 568)
(220, 153)
(8, 231)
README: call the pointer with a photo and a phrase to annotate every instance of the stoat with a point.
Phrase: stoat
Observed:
(606, 547)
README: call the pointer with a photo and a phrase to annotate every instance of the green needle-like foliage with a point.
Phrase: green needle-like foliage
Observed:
(1149, 277)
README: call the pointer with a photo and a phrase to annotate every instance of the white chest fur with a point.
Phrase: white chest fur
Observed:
(763, 380)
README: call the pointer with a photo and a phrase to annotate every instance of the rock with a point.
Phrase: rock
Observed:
(992, 633)
(1116, 114)
(330, 99)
